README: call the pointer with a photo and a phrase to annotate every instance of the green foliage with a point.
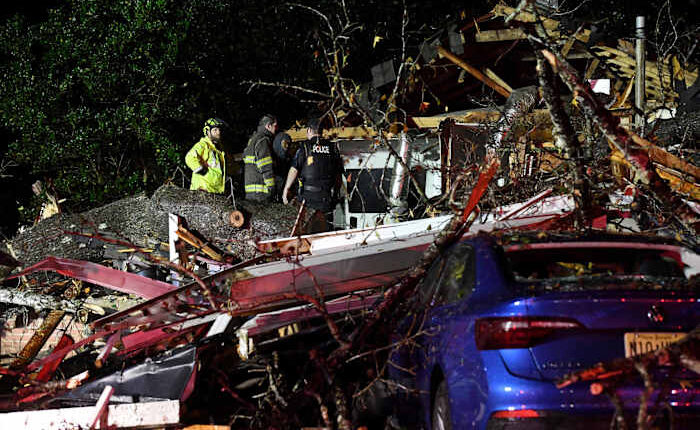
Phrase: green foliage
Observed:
(91, 93)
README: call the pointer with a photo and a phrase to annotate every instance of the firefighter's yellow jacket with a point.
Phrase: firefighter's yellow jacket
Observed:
(213, 179)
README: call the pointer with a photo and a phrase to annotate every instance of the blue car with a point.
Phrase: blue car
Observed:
(498, 319)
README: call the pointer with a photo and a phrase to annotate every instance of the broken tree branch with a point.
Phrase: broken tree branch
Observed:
(393, 296)
(620, 138)
(685, 352)
(565, 138)
(253, 84)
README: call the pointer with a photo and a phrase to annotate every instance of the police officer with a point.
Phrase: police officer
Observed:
(319, 167)
(258, 170)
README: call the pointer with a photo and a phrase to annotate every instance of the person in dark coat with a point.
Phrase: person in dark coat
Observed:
(258, 170)
(283, 150)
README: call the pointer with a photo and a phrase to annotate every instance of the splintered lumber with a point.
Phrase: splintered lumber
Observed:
(491, 74)
(198, 243)
(480, 116)
(567, 46)
(622, 140)
(657, 87)
(474, 72)
(591, 68)
(518, 34)
(661, 156)
(39, 338)
(678, 183)
(681, 175)
(523, 16)
(360, 132)
(625, 94)
(500, 35)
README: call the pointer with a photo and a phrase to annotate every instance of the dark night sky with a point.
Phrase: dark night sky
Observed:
(29, 8)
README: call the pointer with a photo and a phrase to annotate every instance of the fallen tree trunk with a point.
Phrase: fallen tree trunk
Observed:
(37, 301)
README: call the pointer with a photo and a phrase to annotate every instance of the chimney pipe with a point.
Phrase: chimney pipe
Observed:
(640, 74)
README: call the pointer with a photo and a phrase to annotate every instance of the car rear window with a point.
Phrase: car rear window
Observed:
(592, 264)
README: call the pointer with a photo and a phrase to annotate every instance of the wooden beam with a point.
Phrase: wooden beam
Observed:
(477, 116)
(474, 72)
(567, 46)
(591, 68)
(665, 158)
(481, 116)
(491, 74)
(198, 243)
(299, 134)
(499, 35)
(623, 97)
(523, 16)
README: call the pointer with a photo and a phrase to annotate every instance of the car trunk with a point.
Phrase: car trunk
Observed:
(614, 324)
(601, 300)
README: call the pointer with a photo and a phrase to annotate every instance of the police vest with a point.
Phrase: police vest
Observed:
(319, 165)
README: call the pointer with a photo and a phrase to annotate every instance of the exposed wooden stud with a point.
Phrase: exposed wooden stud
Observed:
(504, 11)
(625, 94)
(499, 35)
(299, 134)
(468, 117)
(592, 68)
(491, 74)
(198, 243)
(474, 72)
(567, 46)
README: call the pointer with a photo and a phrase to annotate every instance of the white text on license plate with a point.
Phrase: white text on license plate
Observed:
(641, 343)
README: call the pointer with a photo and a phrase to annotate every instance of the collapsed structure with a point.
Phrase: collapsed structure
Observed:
(190, 300)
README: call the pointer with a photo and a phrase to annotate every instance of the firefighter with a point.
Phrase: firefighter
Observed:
(207, 160)
(319, 167)
(258, 170)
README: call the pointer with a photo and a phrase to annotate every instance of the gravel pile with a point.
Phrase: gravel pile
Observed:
(143, 221)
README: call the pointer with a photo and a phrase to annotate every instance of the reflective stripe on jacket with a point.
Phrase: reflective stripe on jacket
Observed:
(213, 179)
(258, 166)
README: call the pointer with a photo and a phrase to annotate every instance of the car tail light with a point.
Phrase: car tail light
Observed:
(518, 332)
(518, 413)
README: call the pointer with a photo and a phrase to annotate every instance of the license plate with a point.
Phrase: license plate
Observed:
(641, 343)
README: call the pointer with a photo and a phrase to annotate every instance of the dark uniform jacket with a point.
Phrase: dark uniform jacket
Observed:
(319, 165)
(258, 166)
